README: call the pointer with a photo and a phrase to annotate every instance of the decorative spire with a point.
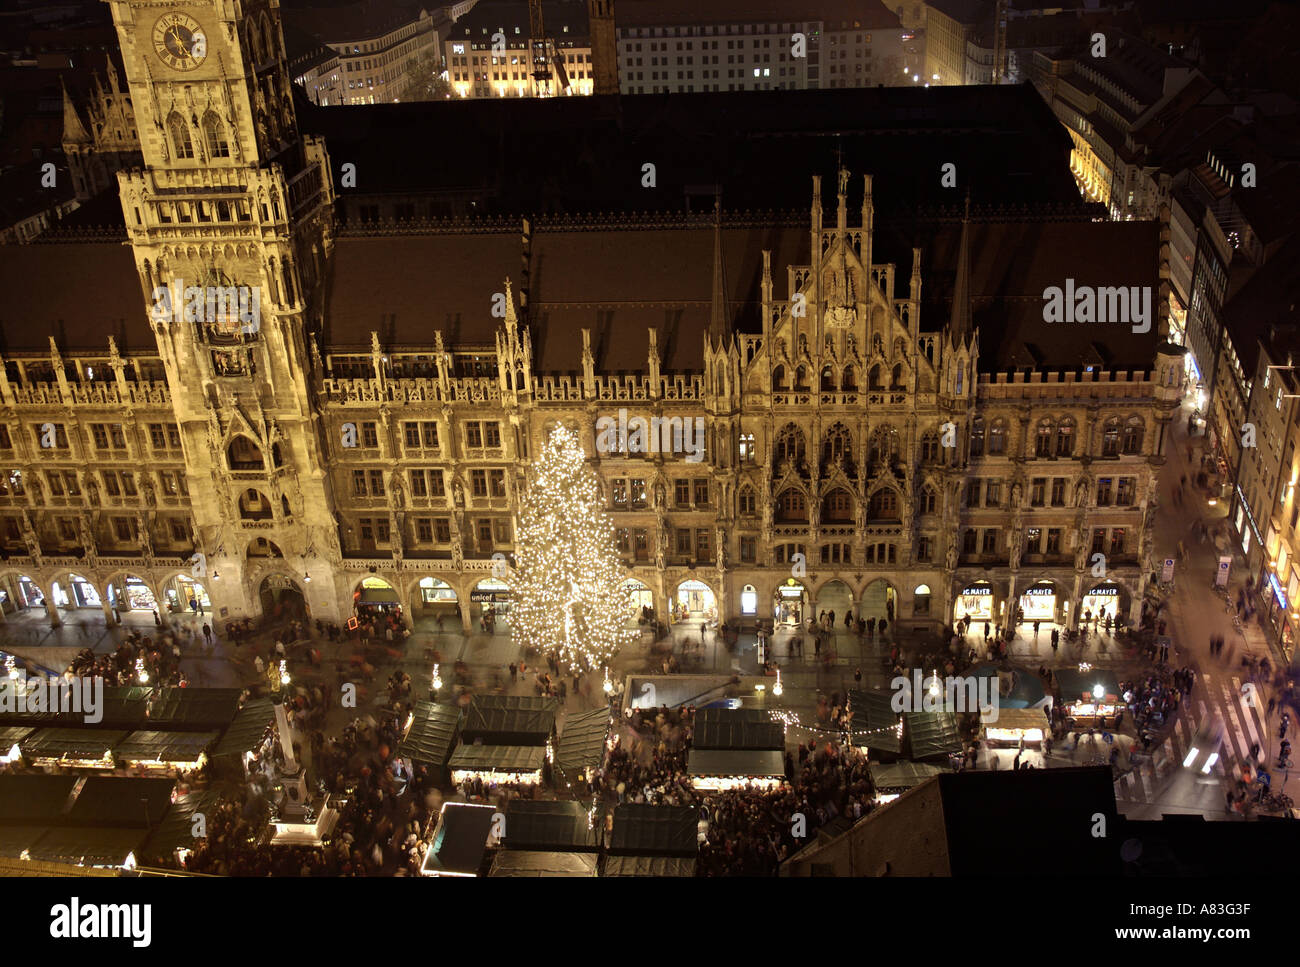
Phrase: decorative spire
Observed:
(74, 132)
(719, 320)
(960, 322)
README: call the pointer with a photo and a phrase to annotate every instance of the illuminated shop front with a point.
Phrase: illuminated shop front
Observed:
(79, 593)
(1105, 600)
(976, 602)
(182, 593)
(694, 600)
(791, 603)
(1038, 603)
(493, 597)
(749, 601)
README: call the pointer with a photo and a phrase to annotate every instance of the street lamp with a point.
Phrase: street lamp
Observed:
(437, 680)
(608, 686)
(777, 689)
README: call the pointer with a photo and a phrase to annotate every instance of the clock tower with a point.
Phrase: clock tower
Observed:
(231, 222)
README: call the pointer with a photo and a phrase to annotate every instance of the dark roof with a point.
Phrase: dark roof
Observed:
(549, 825)
(1074, 684)
(74, 744)
(247, 730)
(432, 733)
(1269, 299)
(14, 840)
(649, 866)
(164, 746)
(489, 16)
(116, 801)
(736, 763)
(874, 723)
(864, 13)
(582, 743)
(202, 709)
(499, 758)
(901, 775)
(521, 156)
(34, 798)
(90, 846)
(1051, 808)
(509, 720)
(654, 830)
(513, 862)
(932, 734)
(177, 828)
(725, 729)
(353, 21)
(460, 839)
(41, 301)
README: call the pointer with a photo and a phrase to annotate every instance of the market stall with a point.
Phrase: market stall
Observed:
(460, 840)
(641, 829)
(174, 838)
(429, 735)
(10, 737)
(535, 863)
(72, 748)
(893, 779)
(1015, 724)
(737, 728)
(931, 734)
(192, 709)
(498, 764)
(1090, 696)
(718, 770)
(581, 747)
(655, 866)
(166, 752)
(247, 736)
(875, 725)
(510, 720)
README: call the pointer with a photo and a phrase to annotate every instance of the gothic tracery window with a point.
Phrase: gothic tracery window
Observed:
(214, 134)
(179, 132)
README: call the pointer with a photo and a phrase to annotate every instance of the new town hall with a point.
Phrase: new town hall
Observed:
(889, 425)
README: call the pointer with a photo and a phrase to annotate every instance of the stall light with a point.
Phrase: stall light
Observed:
(1214, 501)
(12, 665)
(608, 686)
(1084, 668)
(284, 672)
(777, 689)
(1099, 691)
(437, 679)
(140, 673)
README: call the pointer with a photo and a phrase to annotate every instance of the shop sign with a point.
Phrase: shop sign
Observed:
(480, 597)
(1104, 592)
(1277, 591)
(978, 591)
(1225, 566)
(1041, 592)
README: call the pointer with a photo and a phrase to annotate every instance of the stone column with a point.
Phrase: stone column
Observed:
(50, 608)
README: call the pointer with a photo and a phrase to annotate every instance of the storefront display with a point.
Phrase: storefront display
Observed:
(975, 602)
(791, 598)
(1038, 603)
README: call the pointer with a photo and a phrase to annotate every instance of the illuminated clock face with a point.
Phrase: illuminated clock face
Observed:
(180, 41)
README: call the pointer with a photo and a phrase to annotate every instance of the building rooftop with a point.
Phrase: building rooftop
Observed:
(868, 14)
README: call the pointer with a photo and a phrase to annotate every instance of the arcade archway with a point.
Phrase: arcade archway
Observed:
(694, 601)
(640, 602)
(834, 598)
(1105, 600)
(1041, 601)
(282, 598)
(436, 598)
(976, 601)
(181, 594)
(18, 592)
(128, 592)
(73, 592)
(790, 604)
(879, 600)
(493, 596)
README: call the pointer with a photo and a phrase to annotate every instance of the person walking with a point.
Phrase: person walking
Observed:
(1036, 630)
(1056, 639)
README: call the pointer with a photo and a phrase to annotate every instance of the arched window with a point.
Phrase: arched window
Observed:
(790, 446)
(791, 508)
(1133, 433)
(1110, 438)
(747, 502)
(850, 381)
(998, 438)
(921, 599)
(179, 132)
(1065, 439)
(801, 378)
(929, 446)
(828, 379)
(838, 445)
(883, 505)
(896, 377)
(1043, 447)
(747, 454)
(977, 438)
(884, 445)
(929, 500)
(214, 134)
(837, 507)
(873, 378)
(778, 378)
(244, 454)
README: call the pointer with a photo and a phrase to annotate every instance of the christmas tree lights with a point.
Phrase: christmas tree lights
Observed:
(569, 599)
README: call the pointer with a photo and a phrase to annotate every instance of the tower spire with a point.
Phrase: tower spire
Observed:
(959, 323)
(719, 323)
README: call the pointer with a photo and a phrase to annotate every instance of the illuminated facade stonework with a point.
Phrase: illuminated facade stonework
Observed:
(379, 424)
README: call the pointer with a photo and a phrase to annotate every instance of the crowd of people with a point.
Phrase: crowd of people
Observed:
(159, 659)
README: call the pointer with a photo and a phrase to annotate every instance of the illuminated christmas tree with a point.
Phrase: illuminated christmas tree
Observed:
(569, 599)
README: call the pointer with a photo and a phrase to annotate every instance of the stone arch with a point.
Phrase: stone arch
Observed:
(119, 581)
(244, 453)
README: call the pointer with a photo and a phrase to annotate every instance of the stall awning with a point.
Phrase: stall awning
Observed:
(513, 862)
(165, 747)
(902, 775)
(122, 801)
(83, 744)
(649, 866)
(378, 596)
(644, 830)
(432, 733)
(247, 730)
(35, 798)
(177, 829)
(875, 723)
(509, 720)
(88, 846)
(459, 840)
(582, 744)
(498, 758)
(1018, 719)
(932, 734)
(201, 709)
(736, 763)
(725, 728)
(533, 824)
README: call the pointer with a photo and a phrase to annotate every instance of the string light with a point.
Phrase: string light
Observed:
(568, 584)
